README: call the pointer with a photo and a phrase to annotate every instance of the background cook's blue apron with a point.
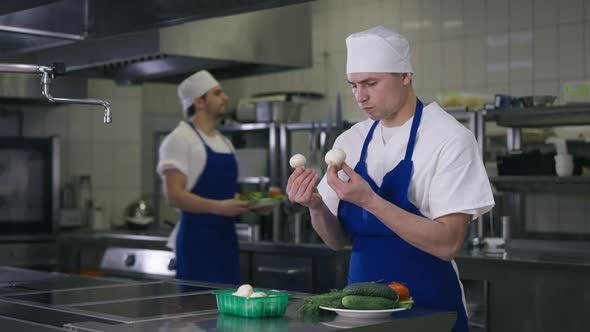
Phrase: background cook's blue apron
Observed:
(378, 254)
(207, 245)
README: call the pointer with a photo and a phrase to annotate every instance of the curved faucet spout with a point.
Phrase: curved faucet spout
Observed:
(107, 107)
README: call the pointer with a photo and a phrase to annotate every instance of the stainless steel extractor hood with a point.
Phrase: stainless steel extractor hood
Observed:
(166, 41)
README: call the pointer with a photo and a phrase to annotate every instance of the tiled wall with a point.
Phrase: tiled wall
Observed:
(110, 154)
(487, 46)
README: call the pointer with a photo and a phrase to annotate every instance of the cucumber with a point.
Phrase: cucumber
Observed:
(370, 289)
(361, 302)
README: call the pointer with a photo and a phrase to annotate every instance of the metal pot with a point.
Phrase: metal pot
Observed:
(139, 214)
(278, 111)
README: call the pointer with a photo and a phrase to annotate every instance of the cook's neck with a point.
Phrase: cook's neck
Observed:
(204, 123)
(405, 112)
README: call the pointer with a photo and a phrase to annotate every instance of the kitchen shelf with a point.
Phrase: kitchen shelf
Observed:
(533, 117)
(541, 183)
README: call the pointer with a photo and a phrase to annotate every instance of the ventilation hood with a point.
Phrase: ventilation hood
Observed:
(165, 41)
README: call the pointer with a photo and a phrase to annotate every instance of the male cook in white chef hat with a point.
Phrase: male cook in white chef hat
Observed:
(199, 173)
(417, 182)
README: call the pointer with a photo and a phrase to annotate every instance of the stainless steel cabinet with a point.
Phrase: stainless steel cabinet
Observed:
(282, 272)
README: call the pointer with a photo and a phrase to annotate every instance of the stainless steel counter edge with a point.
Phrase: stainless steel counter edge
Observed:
(528, 256)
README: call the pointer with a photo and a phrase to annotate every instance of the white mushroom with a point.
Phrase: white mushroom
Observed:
(258, 294)
(335, 157)
(297, 160)
(244, 291)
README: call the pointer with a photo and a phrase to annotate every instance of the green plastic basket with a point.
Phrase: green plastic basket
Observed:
(273, 305)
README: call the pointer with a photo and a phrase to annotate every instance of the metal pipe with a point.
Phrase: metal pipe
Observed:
(46, 76)
(46, 79)
(19, 68)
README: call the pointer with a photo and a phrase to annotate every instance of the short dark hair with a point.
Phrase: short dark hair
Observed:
(190, 111)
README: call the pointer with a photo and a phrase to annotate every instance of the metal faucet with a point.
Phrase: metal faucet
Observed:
(47, 74)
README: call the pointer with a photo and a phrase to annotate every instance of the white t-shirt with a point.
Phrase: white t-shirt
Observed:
(184, 150)
(448, 175)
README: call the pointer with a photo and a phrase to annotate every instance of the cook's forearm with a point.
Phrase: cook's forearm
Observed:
(432, 236)
(192, 203)
(328, 227)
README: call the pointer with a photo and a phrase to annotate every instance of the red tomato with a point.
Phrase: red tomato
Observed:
(402, 291)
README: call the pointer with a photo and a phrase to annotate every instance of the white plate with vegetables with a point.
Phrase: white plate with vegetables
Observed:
(363, 313)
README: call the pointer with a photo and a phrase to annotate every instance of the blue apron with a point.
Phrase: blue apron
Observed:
(378, 254)
(207, 245)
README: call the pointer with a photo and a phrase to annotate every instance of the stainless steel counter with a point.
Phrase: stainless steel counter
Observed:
(171, 305)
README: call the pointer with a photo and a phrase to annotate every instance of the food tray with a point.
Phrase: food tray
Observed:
(272, 306)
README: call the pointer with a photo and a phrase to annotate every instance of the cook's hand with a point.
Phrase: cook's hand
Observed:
(356, 190)
(232, 207)
(302, 187)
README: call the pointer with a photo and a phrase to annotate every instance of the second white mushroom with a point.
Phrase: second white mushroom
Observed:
(335, 157)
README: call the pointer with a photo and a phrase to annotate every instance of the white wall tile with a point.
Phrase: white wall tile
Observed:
(475, 62)
(319, 28)
(497, 18)
(474, 12)
(571, 11)
(431, 19)
(371, 14)
(420, 74)
(338, 25)
(546, 88)
(391, 10)
(432, 68)
(521, 56)
(412, 20)
(126, 166)
(521, 15)
(57, 122)
(545, 12)
(497, 61)
(79, 157)
(571, 51)
(102, 165)
(453, 68)
(521, 88)
(452, 19)
(80, 118)
(545, 54)
(571, 213)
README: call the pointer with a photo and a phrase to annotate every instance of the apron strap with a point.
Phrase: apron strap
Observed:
(367, 141)
(414, 130)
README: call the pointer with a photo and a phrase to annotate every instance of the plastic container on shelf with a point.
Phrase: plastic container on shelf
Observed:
(273, 305)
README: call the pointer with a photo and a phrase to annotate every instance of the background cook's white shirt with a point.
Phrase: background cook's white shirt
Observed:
(448, 175)
(183, 149)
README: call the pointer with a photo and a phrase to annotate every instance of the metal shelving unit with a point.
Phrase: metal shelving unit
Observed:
(537, 117)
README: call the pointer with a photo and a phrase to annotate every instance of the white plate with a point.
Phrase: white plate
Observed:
(363, 313)
(342, 322)
(264, 202)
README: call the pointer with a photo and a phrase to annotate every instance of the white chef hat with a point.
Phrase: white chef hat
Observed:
(378, 50)
(195, 86)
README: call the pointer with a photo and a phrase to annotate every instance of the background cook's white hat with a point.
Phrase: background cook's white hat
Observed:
(194, 86)
(378, 50)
